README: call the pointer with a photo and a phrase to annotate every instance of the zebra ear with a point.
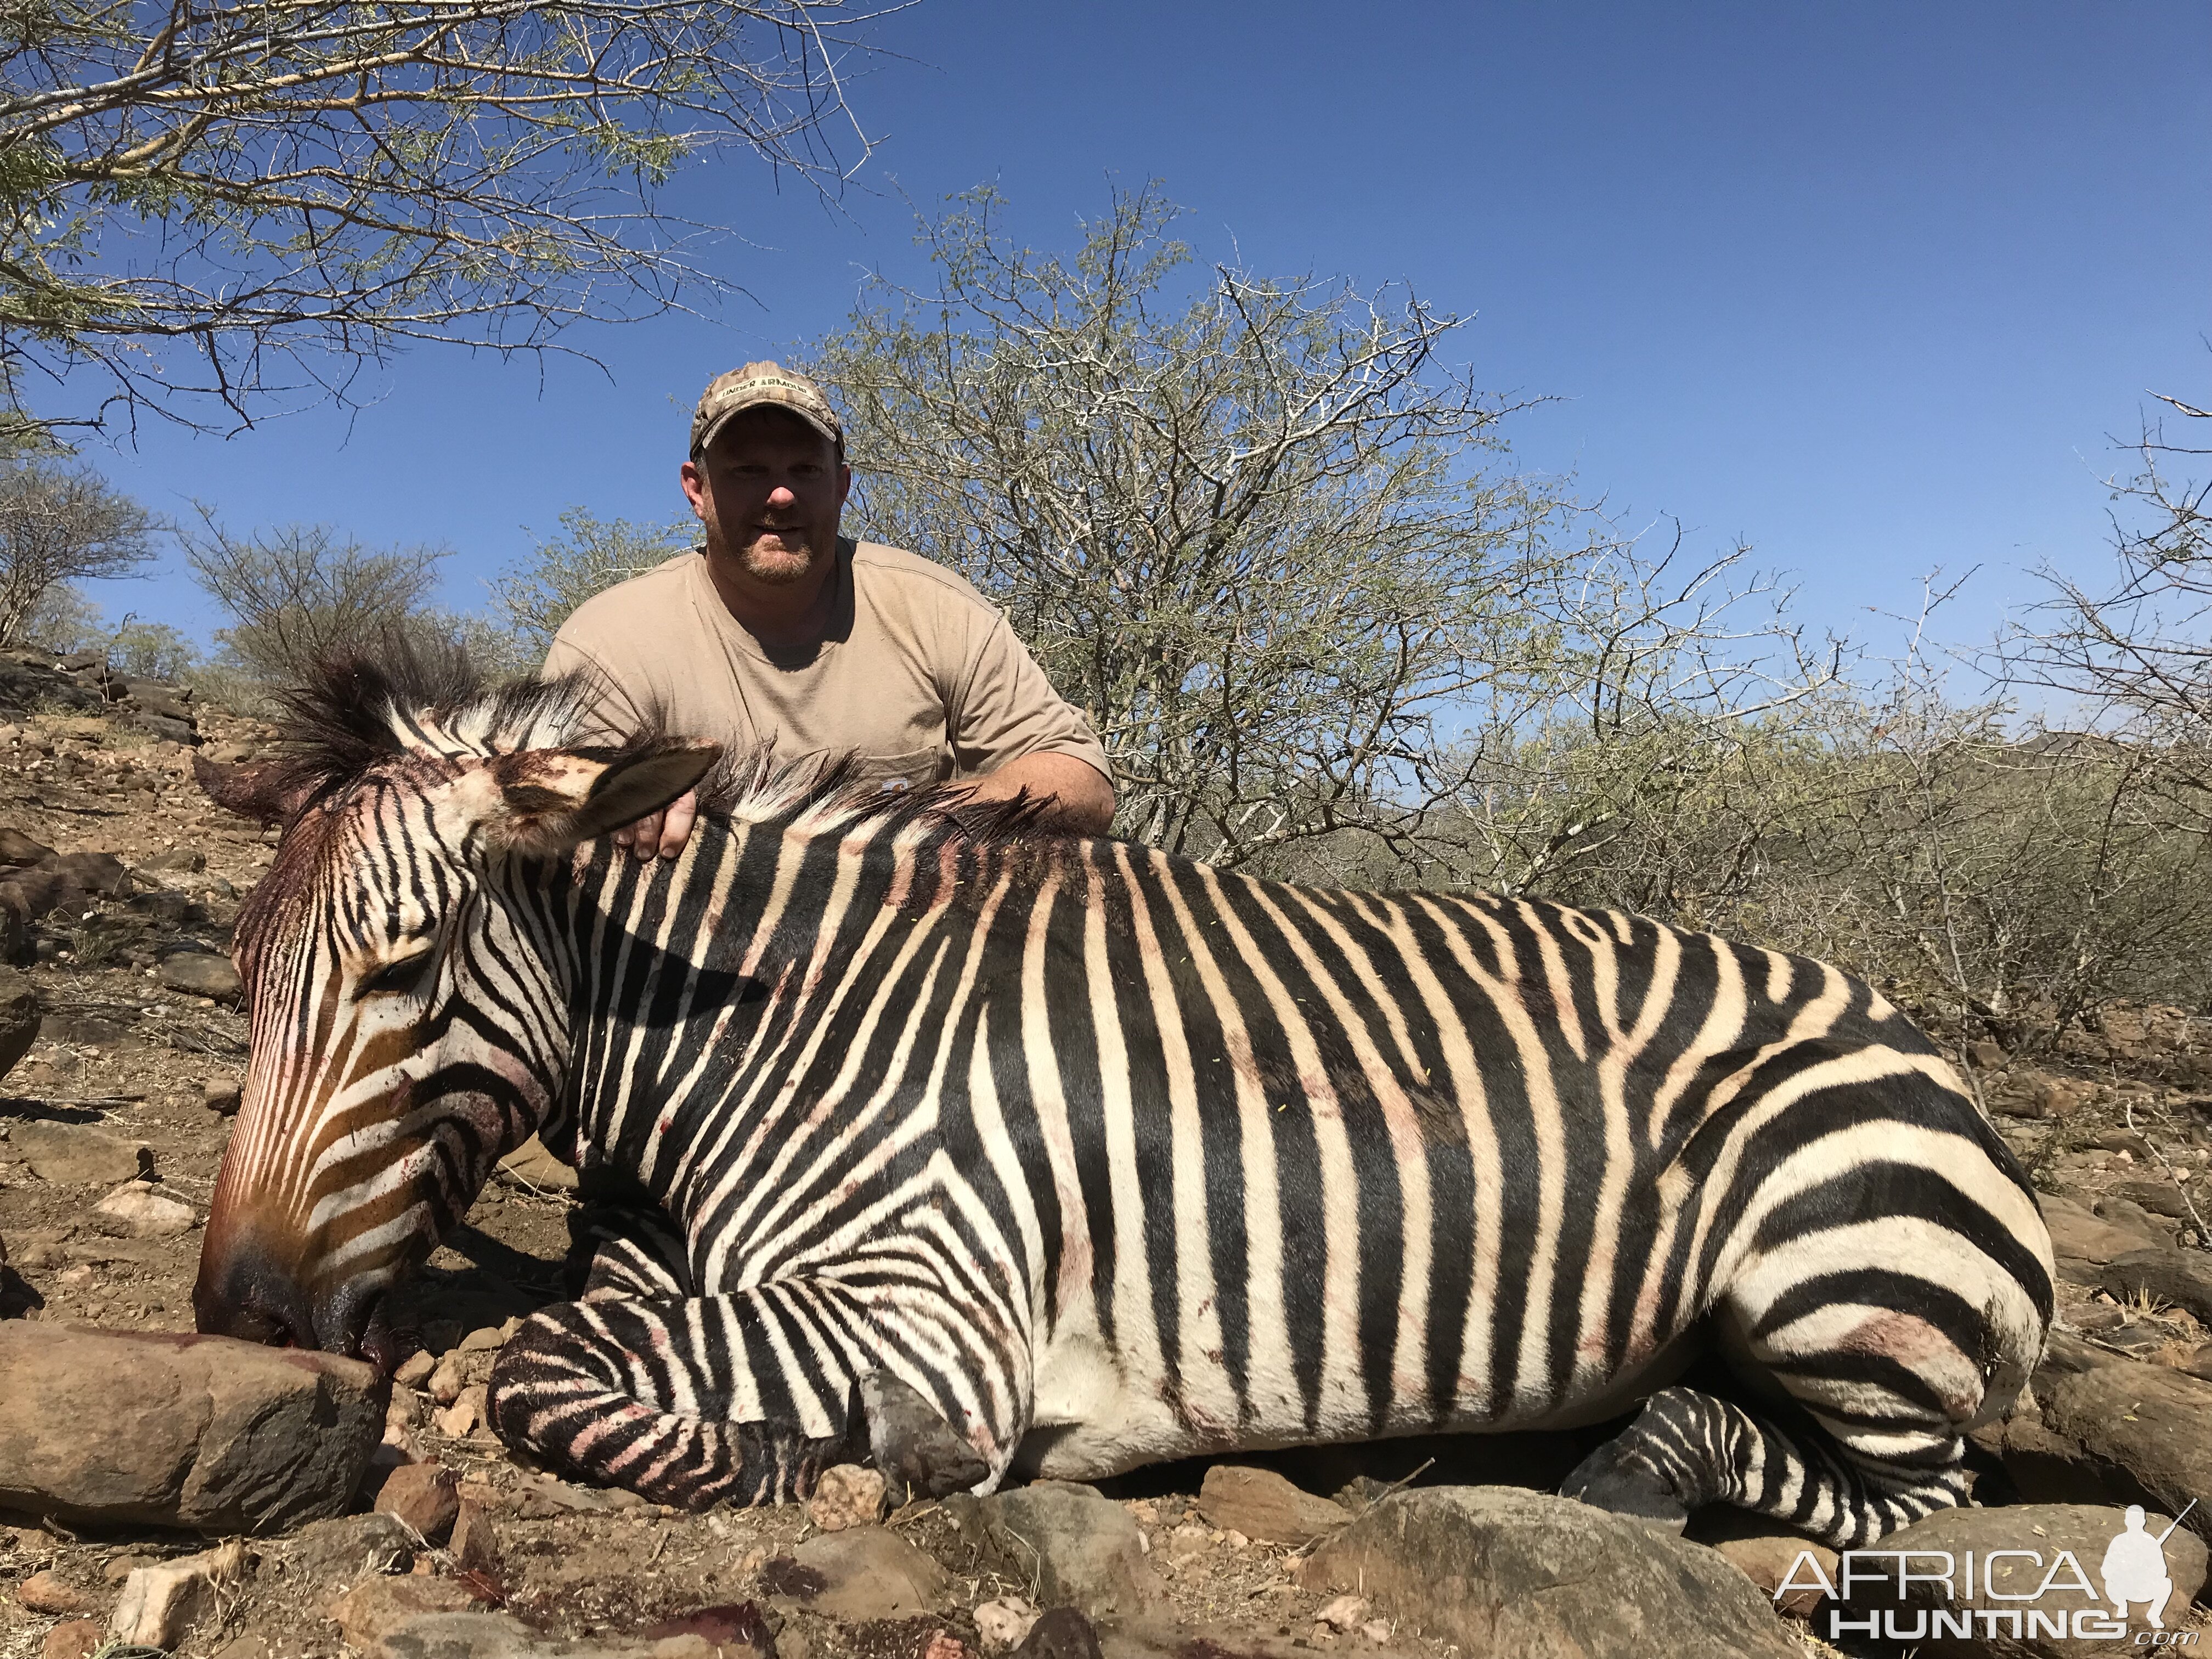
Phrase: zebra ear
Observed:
(555, 799)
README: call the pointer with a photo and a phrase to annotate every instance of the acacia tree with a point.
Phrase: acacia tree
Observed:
(1254, 526)
(2136, 657)
(289, 190)
(532, 599)
(59, 525)
(303, 592)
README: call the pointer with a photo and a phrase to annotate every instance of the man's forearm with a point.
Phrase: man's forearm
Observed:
(1079, 800)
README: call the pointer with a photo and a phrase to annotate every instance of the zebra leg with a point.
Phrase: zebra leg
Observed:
(1688, 1450)
(625, 1250)
(745, 1397)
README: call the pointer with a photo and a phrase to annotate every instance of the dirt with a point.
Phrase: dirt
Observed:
(121, 1050)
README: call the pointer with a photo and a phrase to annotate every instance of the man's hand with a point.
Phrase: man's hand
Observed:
(663, 832)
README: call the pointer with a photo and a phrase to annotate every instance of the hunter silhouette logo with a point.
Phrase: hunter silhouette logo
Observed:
(2134, 1568)
(1930, 1595)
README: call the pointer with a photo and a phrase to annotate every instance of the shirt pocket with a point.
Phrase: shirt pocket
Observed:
(915, 769)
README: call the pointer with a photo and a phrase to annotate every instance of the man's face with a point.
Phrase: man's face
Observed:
(769, 490)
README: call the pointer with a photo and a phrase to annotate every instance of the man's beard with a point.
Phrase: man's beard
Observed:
(777, 566)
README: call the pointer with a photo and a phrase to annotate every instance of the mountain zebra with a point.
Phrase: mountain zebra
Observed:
(982, 1152)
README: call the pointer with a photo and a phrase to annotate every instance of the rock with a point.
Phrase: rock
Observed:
(2084, 1243)
(18, 848)
(197, 974)
(1005, 1622)
(464, 1416)
(78, 1155)
(221, 1095)
(137, 1210)
(415, 1371)
(1345, 1613)
(424, 1497)
(474, 1546)
(1077, 1548)
(870, 1573)
(1764, 1551)
(1500, 1570)
(20, 1018)
(2149, 1427)
(79, 1638)
(2127, 1214)
(847, 1496)
(2181, 1278)
(485, 1339)
(345, 1549)
(375, 1608)
(1261, 1505)
(2017, 1550)
(197, 1432)
(43, 1592)
(94, 872)
(532, 1166)
(1064, 1633)
(190, 860)
(169, 730)
(2158, 1197)
(159, 1605)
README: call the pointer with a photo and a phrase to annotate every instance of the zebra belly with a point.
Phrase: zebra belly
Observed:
(1094, 1415)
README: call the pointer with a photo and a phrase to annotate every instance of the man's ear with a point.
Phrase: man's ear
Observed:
(270, 792)
(557, 798)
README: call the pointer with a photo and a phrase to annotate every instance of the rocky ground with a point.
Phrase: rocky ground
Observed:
(119, 885)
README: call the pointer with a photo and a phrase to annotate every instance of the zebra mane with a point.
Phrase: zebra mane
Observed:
(357, 711)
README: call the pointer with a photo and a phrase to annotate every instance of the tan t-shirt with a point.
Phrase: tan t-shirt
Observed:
(918, 677)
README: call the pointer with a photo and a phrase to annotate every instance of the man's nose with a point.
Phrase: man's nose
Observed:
(782, 497)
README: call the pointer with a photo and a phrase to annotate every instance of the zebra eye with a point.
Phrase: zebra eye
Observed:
(403, 975)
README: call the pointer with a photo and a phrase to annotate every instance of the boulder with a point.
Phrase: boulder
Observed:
(2149, 1428)
(79, 1639)
(92, 872)
(2127, 1214)
(196, 1432)
(197, 973)
(19, 1018)
(1079, 1549)
(49, 1593)
(2158, 1197)
(847, 1496)
(2180, 1277)
(221, 1095)
(2084, 1243)
(18, 848)
(2020, 1562)
(1263, 1505)
(870, 1573)
(79, 1155)
(1501, 1569)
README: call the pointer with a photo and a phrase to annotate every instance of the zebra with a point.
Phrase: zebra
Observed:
(916, 1136)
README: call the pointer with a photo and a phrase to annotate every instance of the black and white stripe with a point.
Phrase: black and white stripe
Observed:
(1101, 1157)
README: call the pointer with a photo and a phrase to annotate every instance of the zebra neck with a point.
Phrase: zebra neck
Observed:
(678, 968)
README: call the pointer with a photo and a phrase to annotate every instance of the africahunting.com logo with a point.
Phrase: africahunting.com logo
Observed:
(2022, 1594)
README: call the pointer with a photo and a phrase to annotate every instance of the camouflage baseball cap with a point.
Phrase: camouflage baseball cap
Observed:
(757, 384)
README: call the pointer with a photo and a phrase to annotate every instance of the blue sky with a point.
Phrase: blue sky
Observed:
(1869, 287)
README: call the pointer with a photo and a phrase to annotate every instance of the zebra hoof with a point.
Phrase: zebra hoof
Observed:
(1616, 1478)
(910, 1442)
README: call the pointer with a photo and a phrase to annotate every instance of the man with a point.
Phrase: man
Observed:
(781, 632)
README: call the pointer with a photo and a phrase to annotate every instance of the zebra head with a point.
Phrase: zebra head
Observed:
(405, 1021)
